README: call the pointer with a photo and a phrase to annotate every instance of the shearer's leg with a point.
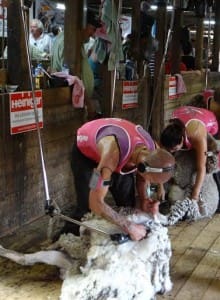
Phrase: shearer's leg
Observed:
(123, 189)
(82, 169)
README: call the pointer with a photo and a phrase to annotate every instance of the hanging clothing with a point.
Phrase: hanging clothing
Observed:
(109, 17)
(57, 53)
(87, 74)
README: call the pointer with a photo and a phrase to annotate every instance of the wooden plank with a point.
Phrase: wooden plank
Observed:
(201, 278)
(213, 290)
(54, 97)
(176, 230)
(185, 238)
(190, 248)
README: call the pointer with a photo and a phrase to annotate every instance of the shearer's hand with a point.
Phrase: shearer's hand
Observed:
(150, 206)
(137, 231)
(161, 192)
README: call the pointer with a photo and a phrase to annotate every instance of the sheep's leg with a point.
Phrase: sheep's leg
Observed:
(178, 211)
(51, 257)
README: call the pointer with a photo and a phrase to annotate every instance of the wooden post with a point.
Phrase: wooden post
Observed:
(199, 44)
(158, 105)
(216, 39)
(136, 32)
(17, 56)
(72, 37)
(175, 45)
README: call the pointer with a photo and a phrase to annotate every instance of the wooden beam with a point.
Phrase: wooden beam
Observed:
(72, 37)
(216, 39)
(199, 44)
(157, 115)
(175, 45)
(17, 55)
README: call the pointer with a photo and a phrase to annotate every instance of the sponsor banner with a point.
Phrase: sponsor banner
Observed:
(130, 94)
(172, 93)
(22, 114)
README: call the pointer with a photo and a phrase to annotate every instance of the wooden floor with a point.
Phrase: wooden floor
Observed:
(195, 264)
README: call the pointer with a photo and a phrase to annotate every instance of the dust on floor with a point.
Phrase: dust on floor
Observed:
(38, 282)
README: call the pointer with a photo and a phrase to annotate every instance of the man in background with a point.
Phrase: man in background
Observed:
(39, 41)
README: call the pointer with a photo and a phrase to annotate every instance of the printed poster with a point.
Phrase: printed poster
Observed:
(22, 114)
(130, 94)
(172, 92)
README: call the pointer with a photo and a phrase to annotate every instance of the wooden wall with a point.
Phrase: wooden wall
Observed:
(195, 85)
(22, 193)
(137, 115)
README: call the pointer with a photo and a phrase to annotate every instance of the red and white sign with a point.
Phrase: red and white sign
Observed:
(130, 94)
(22, 115)
(172, 88)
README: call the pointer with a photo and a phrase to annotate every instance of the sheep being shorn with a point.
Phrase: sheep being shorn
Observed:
(184, 177)
(98, 268)
(134, 270)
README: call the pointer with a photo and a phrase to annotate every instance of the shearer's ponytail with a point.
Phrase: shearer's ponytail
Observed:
(173, 134)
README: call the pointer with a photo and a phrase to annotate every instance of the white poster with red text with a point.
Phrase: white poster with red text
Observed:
(22, 113)
(172, 92)
(130, 94)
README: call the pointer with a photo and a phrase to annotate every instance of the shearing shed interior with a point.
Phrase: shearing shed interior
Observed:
(194, 264)
(143, 81)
